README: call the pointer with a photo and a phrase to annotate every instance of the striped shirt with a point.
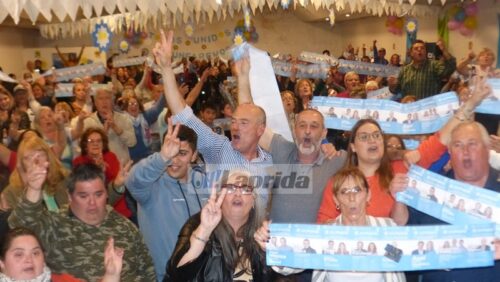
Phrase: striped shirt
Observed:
(425, 80)
(219, 154)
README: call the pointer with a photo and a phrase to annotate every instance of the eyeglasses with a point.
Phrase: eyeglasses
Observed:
(394, 146)
(353, 190)
(365, 137)
(244, 189)
(94, 141)
(133, 103)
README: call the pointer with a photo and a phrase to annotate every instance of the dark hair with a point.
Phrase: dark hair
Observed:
(85, 136)
(186, 134)
(385, 169)
(83, 173)
(417, 41)
(389, 136)
(13, 234)
(208, 105)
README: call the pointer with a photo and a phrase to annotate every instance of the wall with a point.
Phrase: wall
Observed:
(366, 30)
(279, 32)
(12, 43)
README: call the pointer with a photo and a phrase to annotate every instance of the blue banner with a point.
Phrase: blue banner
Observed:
(66, 89)
(66, 74)
(354, 248)
(382, 93)
(347, 65)
(491, 104)
(449, 200)
(422, 117)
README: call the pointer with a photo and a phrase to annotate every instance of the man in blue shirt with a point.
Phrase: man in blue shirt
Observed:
(167, 195)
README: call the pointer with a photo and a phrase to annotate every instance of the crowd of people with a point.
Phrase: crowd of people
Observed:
(158, 176)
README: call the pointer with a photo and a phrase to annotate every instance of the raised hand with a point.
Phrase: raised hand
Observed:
(211, 214)
(122, 175)
(495, 143)
(33, 171)
(98, 160)
(163, 49)
(83, 115)
(480, 90)
(242, 66)
(398, 183)
(261, 236)
(113, 261)
(184, 89)
(171, 143)
(329, 151)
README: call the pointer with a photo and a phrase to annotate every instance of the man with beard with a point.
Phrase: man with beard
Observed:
(423, 77)
(469, 155)
(293, 160)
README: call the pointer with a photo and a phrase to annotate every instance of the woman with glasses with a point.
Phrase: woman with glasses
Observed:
(351, 195)
(217, 244)
(95, 150)
(368, 151)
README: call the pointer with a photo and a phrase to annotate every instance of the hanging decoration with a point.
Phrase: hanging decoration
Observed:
(247, 34)
(135, 37)
(463, 18)
(395, 25)
(285, 3)
(331, 17)
(443, 30)
(101, 37)
(124, 46)
(411, 28)
(151, 14)
(189, 30)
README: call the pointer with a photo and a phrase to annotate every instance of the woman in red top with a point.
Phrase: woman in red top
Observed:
(368, 151)
(94, 146)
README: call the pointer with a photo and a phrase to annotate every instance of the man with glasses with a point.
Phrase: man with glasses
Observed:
(221, 154)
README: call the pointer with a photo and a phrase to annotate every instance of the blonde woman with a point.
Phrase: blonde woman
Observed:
(35, 150)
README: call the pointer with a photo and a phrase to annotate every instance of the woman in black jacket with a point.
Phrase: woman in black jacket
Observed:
(217, 244)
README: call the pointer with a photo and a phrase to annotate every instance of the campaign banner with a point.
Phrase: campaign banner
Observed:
(66, 74)
(382, 93)
(6, 78)
(284, 68)
(125, 62)
(316, 58)
(491, 104)
(424, 116)
(376, 249)
(345, 66)
(64, 90)
(449, 200)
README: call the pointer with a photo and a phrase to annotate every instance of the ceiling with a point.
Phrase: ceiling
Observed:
(307, 13)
